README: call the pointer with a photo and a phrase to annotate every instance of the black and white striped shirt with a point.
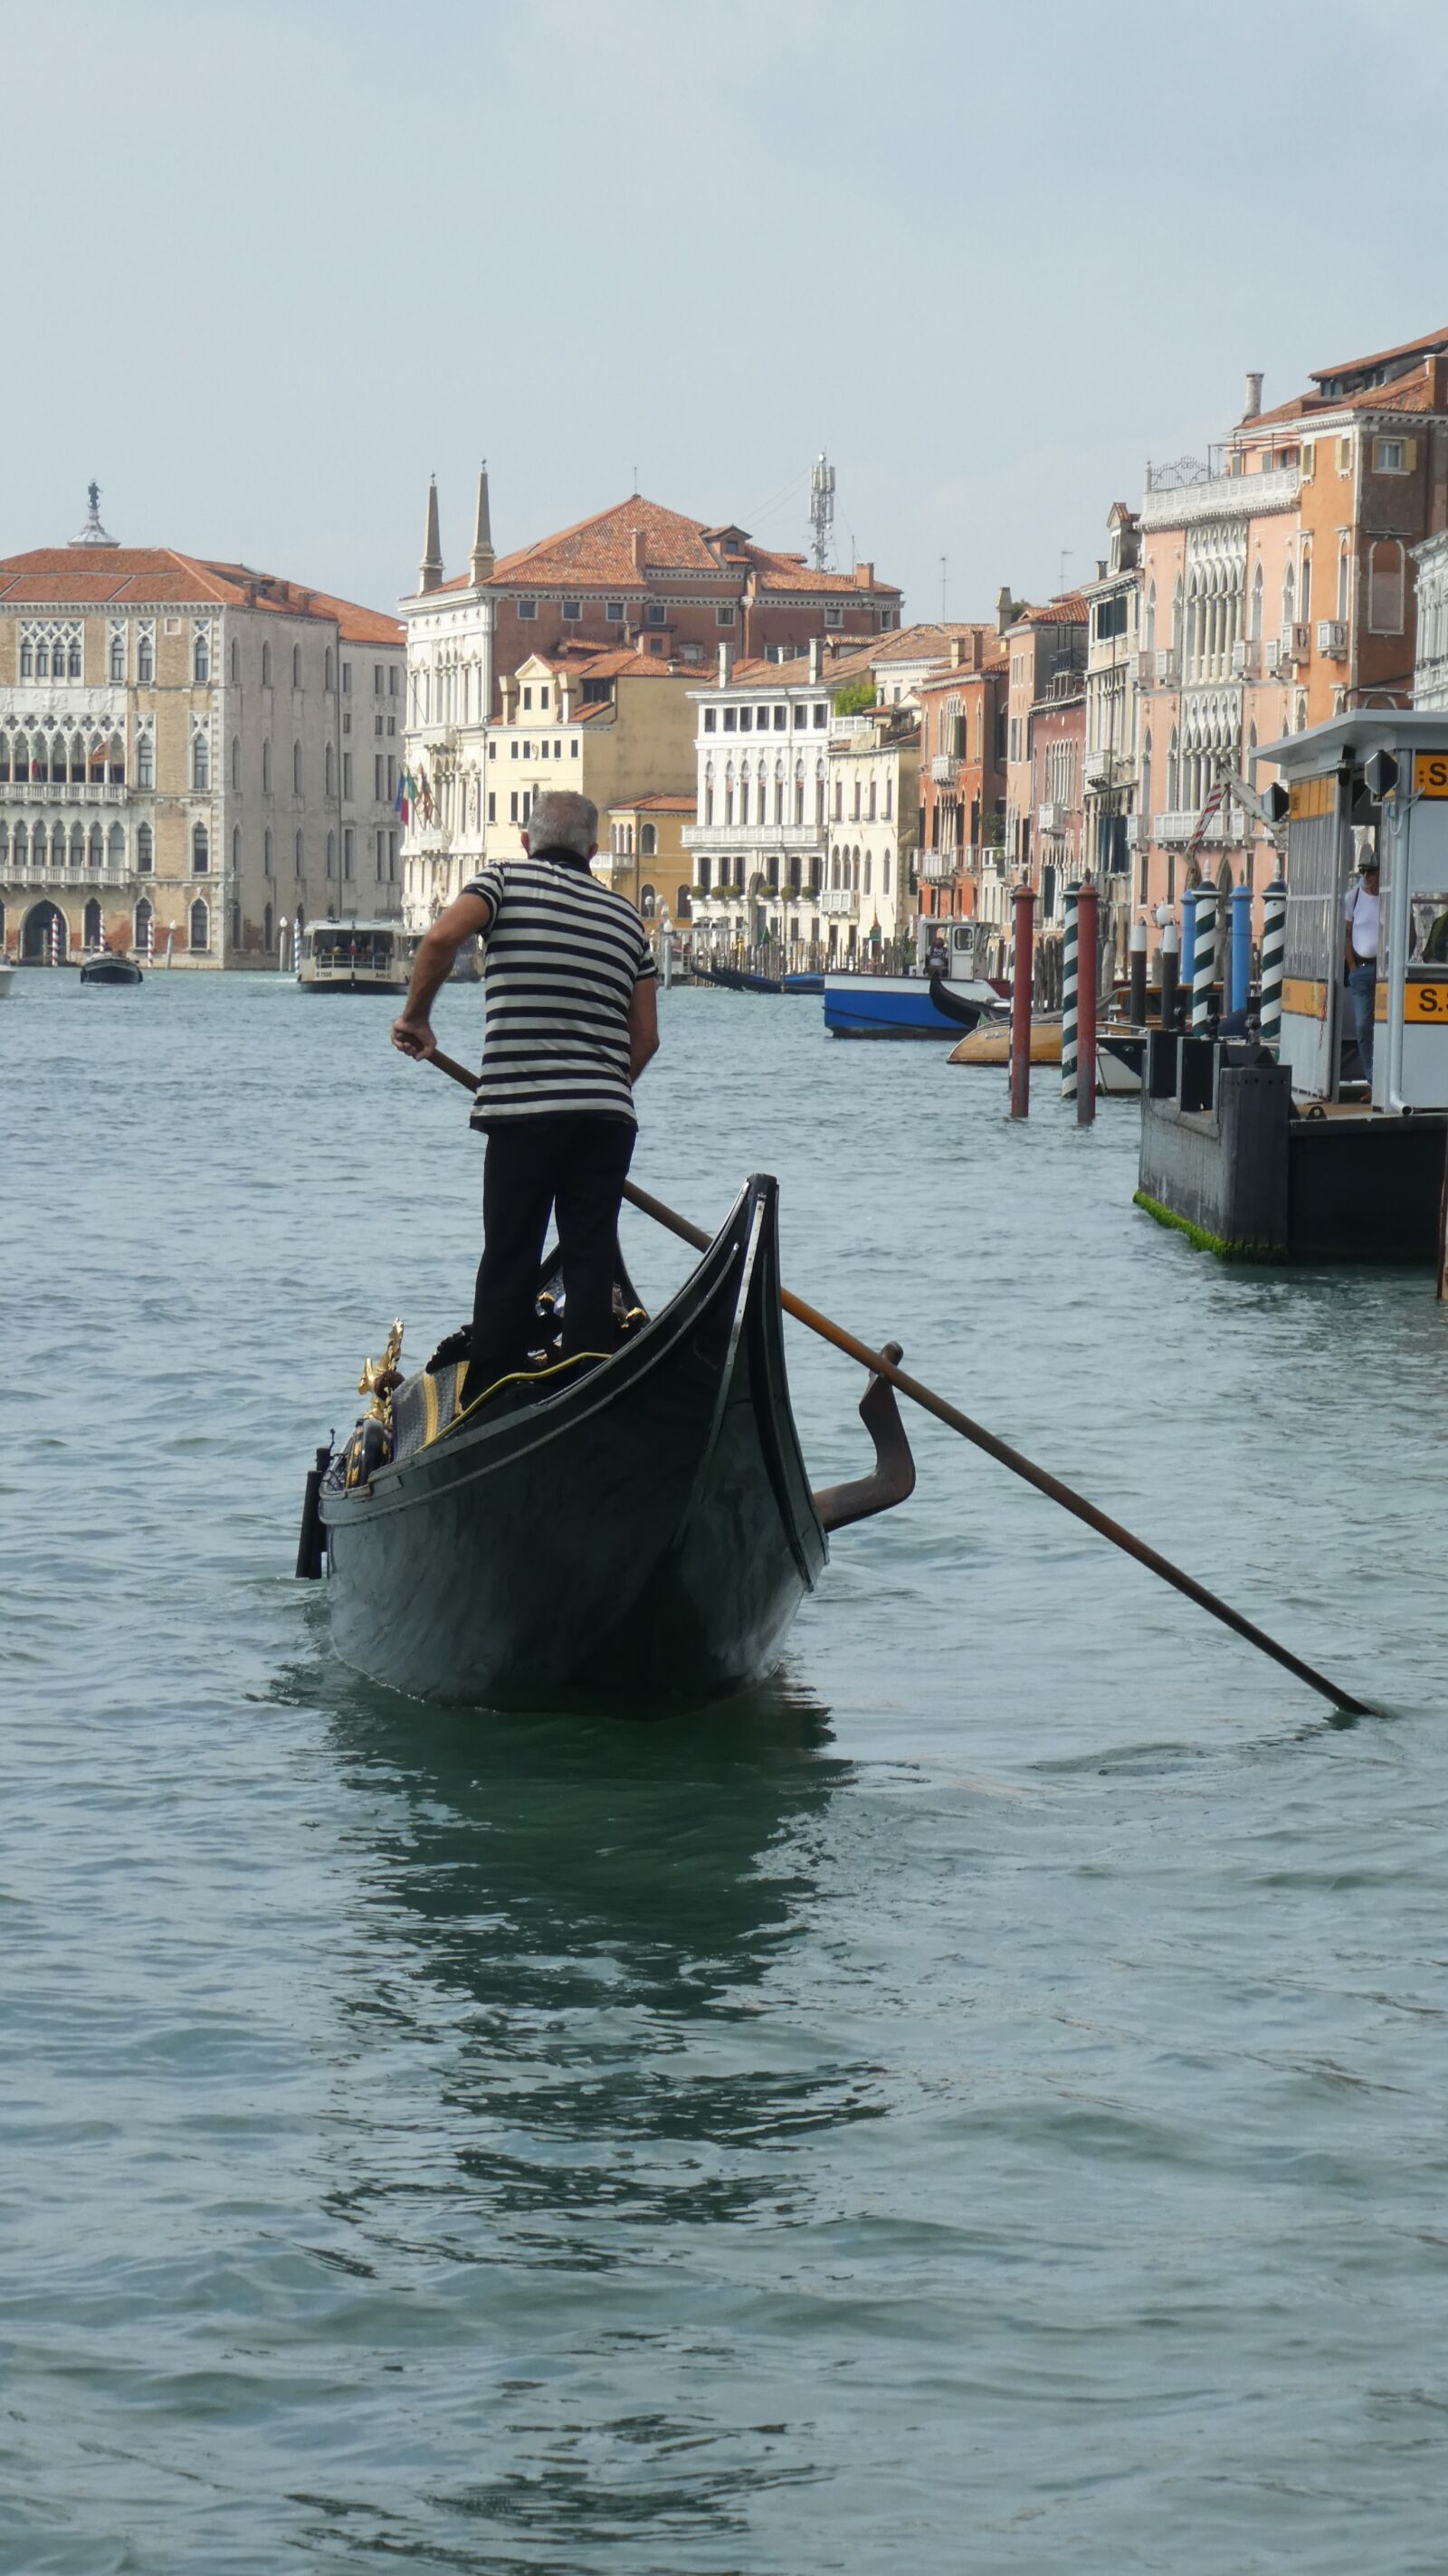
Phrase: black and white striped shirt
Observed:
(561, 961)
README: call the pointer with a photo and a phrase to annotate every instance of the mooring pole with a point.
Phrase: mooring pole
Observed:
(1189, 940)
(1088, 919)
(1241, 950)
(1138, 974)
(1274, 951)
(1023, 968)
(1204, 959)
(1171, 965)
(1070, 975)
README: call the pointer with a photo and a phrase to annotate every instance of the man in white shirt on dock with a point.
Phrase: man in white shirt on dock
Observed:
(1360, 916)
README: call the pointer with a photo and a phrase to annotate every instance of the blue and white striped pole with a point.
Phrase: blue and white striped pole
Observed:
(1204, 959)
(1070, 995)
(1241, 950)
(1274, 954)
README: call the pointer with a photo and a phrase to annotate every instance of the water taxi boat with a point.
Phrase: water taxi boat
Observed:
(107, 966)
(635, 1532)
(355, 957)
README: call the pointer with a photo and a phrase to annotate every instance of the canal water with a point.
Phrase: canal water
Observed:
(980, 2103)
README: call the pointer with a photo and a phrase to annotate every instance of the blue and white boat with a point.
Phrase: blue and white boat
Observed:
(898, 1006)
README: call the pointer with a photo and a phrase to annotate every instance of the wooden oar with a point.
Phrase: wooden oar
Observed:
(1000, 1450)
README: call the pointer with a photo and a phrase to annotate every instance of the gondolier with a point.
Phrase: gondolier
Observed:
(571, 999)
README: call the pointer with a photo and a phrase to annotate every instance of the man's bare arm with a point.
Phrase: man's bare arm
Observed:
(434, 962)
(643, 1026)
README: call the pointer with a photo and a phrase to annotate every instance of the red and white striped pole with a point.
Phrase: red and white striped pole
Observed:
(1023, 970)
(1087, 975)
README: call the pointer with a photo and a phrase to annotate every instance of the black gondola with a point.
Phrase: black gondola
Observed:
(641, 1538)
(737, 979)
(951, 1006)
(108, 968)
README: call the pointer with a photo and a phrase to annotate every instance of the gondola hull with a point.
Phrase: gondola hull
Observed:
(639, 1540)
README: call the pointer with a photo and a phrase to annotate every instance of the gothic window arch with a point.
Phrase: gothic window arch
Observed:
(1255, 627)
(236, 847)
(1151, 619)
(1305, 609)
(867, 872)
(116, 848)
(141, 920)
(200, 762)
(146, 655)
(91, 925)
(1173, 773)
(268, 921)
(201, 650)
(97, 848)
(236, 760)
(200, 927)
(296, 769)
(1344, 583)
(77, 845)
(145, 850)
(331, 771)
(266, 666)
(296, 666)
(200, 850)
(266, 769)
(116, 659)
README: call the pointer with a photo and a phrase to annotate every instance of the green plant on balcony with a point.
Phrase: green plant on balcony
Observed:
(856, 698)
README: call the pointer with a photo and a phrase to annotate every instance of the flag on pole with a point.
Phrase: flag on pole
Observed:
(406, 796)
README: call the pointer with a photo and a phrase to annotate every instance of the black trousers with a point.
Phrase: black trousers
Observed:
(575, 1166)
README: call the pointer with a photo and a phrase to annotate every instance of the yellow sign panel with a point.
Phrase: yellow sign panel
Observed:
(1430, 773)
(1427, 1002)
(1309, 797)
(1307, 1000)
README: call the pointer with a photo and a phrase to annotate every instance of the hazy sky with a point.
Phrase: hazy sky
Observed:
(271, 265)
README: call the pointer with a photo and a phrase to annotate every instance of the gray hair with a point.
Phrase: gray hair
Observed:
(562, 821)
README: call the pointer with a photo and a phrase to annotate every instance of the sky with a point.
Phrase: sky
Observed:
(282, 262)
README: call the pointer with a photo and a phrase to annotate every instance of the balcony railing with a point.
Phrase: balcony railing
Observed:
(40, 791)
(1221, 496)
(945, 769)
(754, 836)
(1175, 828)
(939, 867)
(39, 872)
(838, 901)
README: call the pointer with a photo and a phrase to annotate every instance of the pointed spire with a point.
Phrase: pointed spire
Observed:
(93, 534)
(483, 557)
(430, 569)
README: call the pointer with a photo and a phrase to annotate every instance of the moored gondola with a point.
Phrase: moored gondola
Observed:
(738, 979)
(635, 1533)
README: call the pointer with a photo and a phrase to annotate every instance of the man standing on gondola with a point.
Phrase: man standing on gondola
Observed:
(571, 1021)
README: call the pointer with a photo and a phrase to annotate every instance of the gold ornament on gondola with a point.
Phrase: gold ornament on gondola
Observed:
(379, 1377)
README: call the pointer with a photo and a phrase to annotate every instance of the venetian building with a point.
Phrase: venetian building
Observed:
(193, 755)
(636, 578)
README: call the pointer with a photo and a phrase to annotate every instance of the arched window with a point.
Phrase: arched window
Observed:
(59, 760)
(200, 850)
(1151, 619)
(1176, 617)
(684, 905)
(116, 762)
(145, 657)
(648, 840)
(201, 654)
(296, 666)
(200, 761)
(267, 928)
(870, 815)
(1305, 611)
(1173, 774)
(855, 872)
(1255, 625)
(296, 769)
(92, 931)
(331, 854)
(1385, 586)
(297, 854)
(116, 848)
(327, 669)
(200, 928)
(266, 768)
(867, 872)
(1289, 604)
(142, 933)
(1144, 800)
(236, 925)
(118, 654)
(97, 850)
(235, 660)
(885, 873)
(21, 845)
(236, 846)
(834, 870)
(648, 902)
(236, 760)
(331, 770)
(266, 853)
(145, 757)
(266, 666)
(145, 850)
(77, 845)
(709, 793)
(57, 847)
(73, 660)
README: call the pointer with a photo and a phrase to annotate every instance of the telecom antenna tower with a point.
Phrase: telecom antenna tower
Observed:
(822, 509)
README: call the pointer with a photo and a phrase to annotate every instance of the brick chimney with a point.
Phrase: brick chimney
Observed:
(956, 651)
(1438, 381)
(864, 576)
(637, 543)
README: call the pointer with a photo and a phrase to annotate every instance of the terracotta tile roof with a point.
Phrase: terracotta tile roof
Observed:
(1430, 341)
(597, 554)
(1069, 611)
(158, 577)
(615, 661)
(653, 804)
(1410, 393)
